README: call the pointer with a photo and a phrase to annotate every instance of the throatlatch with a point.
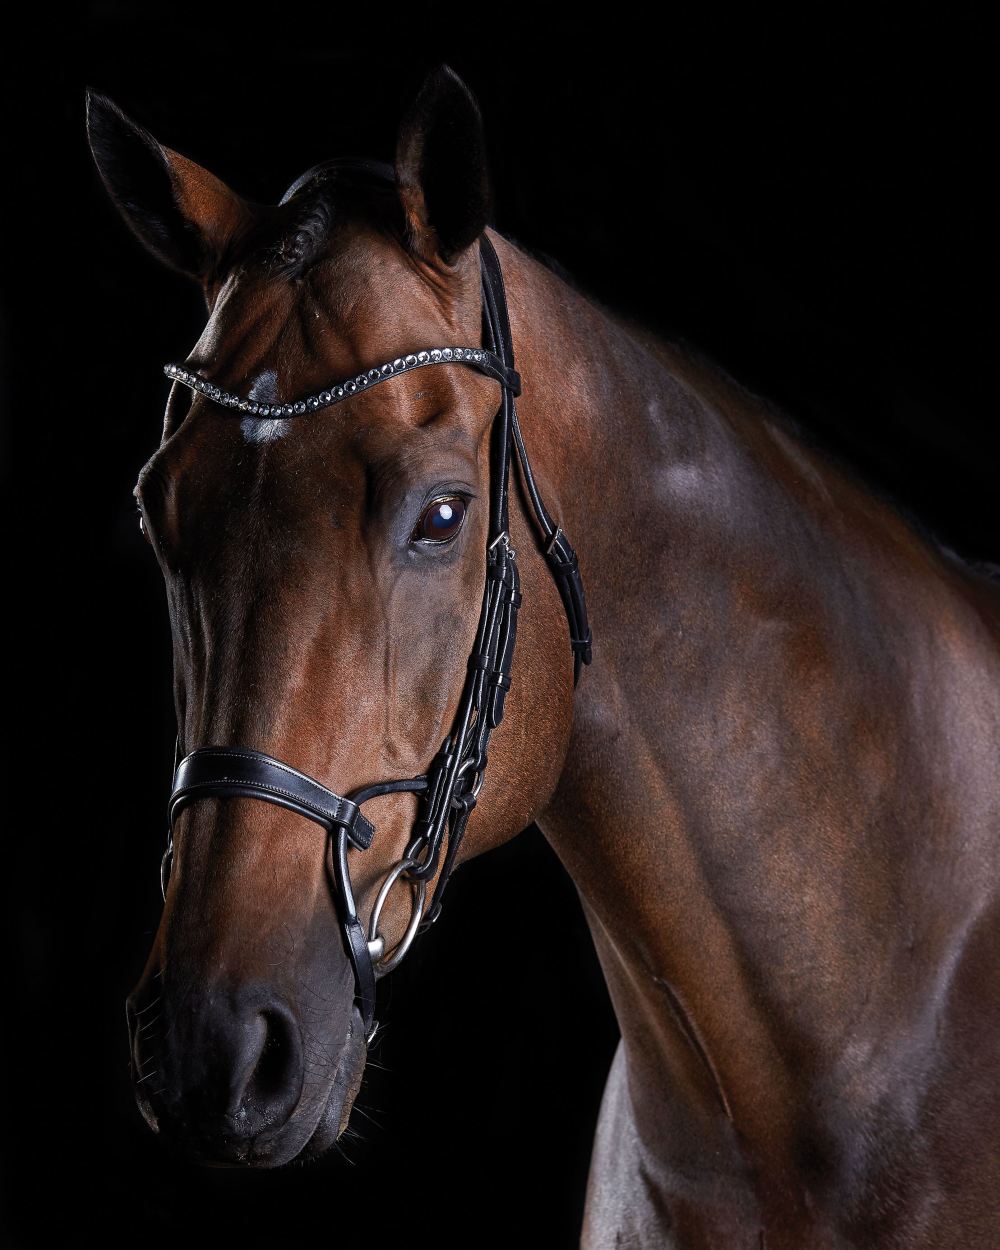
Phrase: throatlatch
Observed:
(452, 784)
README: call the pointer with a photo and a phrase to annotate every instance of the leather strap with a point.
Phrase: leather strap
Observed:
(222, 772)
(355, 938)
(558, 550)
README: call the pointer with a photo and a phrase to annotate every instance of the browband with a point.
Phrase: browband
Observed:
(477, 357)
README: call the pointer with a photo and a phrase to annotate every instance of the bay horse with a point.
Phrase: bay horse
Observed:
(776, 787)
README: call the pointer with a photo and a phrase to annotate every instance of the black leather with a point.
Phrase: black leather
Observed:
(221, 772)
(355, 937)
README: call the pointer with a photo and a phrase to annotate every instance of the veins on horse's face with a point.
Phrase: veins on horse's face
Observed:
(299, 600)
(299, 603)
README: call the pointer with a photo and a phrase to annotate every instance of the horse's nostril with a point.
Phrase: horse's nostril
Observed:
(272, 1061)
(277, 1059)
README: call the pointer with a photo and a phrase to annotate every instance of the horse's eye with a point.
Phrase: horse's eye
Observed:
(441, 520)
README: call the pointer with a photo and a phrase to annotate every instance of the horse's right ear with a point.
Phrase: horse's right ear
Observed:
(441, 168)
(181, 212)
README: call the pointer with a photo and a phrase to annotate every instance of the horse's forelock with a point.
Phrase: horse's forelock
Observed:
(313, 204)
(304, 234)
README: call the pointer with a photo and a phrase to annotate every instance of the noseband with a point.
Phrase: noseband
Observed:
(449, 789)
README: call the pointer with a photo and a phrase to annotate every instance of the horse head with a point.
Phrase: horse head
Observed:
(324, 571)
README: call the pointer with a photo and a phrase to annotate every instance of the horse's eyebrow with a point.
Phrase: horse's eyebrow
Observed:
(400, 470)
(386, 474)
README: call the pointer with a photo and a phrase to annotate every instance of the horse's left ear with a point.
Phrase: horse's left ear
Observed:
(441, 169)
(182, 213)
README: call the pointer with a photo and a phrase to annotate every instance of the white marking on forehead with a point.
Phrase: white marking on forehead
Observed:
(264, 429)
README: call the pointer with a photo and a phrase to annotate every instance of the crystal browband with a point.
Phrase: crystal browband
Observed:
(477, 357)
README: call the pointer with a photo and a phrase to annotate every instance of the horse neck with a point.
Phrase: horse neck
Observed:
(747, 806)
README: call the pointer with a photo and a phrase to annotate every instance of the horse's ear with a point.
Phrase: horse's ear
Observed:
(441, 169)
(181, 212)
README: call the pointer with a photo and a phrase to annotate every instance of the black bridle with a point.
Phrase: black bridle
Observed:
(450, 787)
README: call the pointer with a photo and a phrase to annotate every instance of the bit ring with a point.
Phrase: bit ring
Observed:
(383, 961)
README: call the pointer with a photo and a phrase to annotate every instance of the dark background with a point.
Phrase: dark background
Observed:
(803, 197)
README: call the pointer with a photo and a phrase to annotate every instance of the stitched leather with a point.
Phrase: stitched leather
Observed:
(222, 772)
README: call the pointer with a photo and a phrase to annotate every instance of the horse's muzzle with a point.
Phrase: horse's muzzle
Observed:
(222, 1075)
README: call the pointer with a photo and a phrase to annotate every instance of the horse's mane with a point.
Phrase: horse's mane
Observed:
(302, 238)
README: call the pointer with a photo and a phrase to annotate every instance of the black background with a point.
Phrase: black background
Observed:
(803, 197)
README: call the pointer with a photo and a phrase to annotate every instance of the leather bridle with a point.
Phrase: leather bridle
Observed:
(449, 789)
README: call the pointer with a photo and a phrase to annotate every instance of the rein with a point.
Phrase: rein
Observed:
(451, 786)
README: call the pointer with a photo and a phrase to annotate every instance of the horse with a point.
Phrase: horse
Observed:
(775, 787)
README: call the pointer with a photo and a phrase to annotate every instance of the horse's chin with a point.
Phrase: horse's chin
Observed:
(336, 1112)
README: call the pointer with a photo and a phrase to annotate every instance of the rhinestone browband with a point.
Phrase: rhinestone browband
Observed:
(478, 357)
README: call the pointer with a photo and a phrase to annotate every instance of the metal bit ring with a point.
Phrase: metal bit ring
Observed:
(385, 963)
